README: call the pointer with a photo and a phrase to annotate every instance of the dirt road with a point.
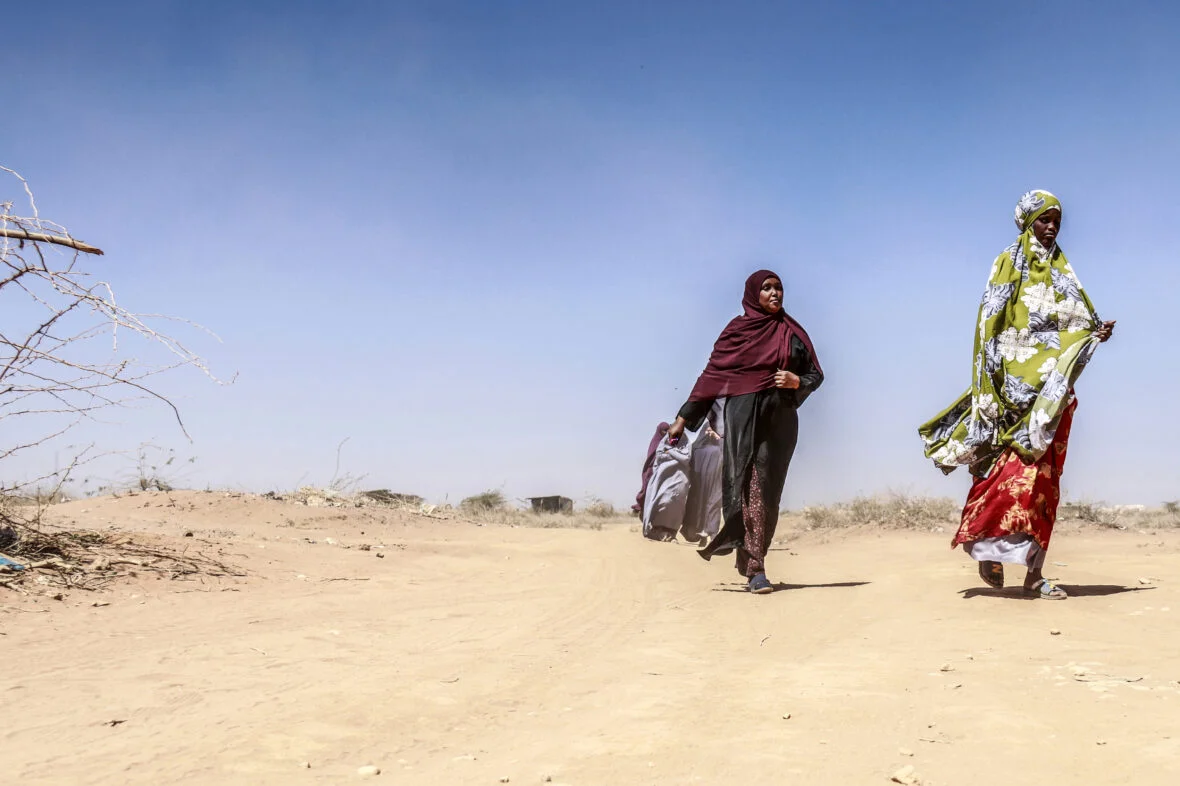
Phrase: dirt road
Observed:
(468, 654)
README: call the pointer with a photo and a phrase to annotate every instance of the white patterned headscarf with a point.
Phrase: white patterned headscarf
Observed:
(1032, 205)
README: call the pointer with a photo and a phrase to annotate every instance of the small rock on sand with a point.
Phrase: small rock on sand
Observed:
(786, 716)
(905, 775)
(905, 751)
(1054, 632)
(1146, 580)
(368, 771)
(947, 667)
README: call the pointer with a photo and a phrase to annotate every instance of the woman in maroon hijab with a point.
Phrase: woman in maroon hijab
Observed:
(763, 366)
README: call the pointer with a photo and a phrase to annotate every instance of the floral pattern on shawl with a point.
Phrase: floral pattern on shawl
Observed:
(1034, 335)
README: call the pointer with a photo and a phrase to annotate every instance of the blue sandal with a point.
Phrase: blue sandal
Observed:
(759, 584)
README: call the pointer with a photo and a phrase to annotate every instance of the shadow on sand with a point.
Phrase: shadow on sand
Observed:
(779, 585)
(1073, 590)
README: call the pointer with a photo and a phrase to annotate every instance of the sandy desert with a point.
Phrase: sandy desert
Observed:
(440, 650)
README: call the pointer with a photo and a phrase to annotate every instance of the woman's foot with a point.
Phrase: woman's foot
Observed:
(992, 573)
(759, 584)
(1045, 590)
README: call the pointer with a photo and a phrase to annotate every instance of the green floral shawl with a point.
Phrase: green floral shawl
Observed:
(1034, 336)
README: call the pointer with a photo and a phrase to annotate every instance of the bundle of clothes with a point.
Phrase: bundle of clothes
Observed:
(681, 486)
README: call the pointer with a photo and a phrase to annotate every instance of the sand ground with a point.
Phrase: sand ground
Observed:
(469, 654)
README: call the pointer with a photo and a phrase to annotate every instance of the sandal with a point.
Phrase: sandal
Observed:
(1046, 590)
(759, 584)
(992, 573)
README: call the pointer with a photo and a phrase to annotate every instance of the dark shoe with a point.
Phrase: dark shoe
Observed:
(759, 584)
(992, 573)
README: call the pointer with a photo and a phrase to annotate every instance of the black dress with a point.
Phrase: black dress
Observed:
(761, 430)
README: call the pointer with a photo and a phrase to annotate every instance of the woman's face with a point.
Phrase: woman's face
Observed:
(770, 297)
(1046, 227)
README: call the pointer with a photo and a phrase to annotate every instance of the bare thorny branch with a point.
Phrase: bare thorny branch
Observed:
(53, 373)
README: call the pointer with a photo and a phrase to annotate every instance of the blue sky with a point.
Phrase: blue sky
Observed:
(491, 243)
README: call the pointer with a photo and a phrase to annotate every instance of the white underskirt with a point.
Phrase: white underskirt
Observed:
(1016, 549)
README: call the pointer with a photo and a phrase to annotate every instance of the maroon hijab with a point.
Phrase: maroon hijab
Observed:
(750, 349)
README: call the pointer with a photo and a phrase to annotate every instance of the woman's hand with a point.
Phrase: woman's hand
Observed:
(787, 380)
(676, 430)
(1105, 331)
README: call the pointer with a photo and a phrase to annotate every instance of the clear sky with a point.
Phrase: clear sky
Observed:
(491, 243)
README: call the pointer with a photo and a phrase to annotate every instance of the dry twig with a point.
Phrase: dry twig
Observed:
(86, 560)
(44, 237)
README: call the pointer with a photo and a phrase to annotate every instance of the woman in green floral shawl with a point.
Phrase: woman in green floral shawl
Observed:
(1036, 331)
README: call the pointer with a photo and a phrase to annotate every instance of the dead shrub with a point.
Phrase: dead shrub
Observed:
(600, 509)
(890, 511)
(486, 502)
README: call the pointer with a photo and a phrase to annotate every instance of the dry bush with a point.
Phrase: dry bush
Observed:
(601, 509)
(1089, 512)
(891, 511)
(486, 502)
(901, 511)
(506, 516)
(1159, 518)
(1121, 517)
(56, 373)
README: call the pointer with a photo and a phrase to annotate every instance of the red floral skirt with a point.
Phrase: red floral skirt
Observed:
(1017, 498)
